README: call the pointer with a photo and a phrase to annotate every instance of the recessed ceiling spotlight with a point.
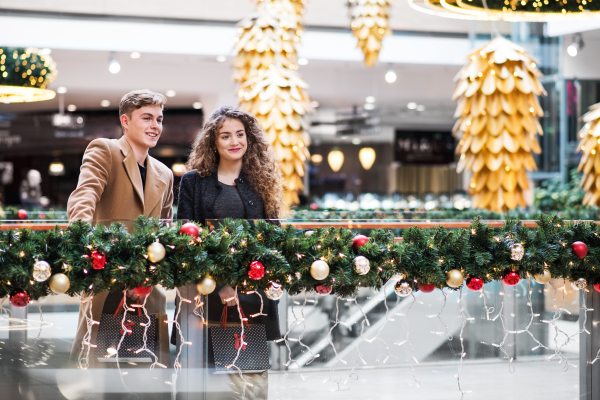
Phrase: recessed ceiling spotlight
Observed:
(197, 105)
(314, 103)
(412, 105)
(71, 107)
(221, 58)
(104, 103)
(390, 76)
(369, 106)
(302, 61)
(370, 99)
(420, 107)
(135, 54)
(170, 93)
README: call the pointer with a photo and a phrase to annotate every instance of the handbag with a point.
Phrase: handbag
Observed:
(110, 332)
(226, 341)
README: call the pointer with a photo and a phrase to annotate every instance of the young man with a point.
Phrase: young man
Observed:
(118, 182)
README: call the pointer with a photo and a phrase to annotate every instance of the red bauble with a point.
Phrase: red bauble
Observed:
(358, 241)
(257, 270)
(323, 289)
(22, 214)
(597, 287)
(190, 229)
(580, 249)
(511, 279)
(142, 290)
(314, 206)
(426, 287)
(98, 260)
(19, 298)
(475, 284)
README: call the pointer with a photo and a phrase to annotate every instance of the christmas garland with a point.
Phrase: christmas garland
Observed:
(33, 264)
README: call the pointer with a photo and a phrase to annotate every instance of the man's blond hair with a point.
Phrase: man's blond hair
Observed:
(138, 99)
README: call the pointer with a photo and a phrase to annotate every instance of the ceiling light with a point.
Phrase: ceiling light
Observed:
(104, 103)
(314, 104)
(56, 168)
(335, 158)
(390, 76)
(170, 93)
(420, 107)
(61, 90)
(178, 169)
(221, 58)
(576, 45)
(369, 106)
(370, 99)
(366, 156)
(412, 105)
(113, 65)
(71, 107)
(316, 159)
(356, 141)
(197, 105)
(135, 54)
(45, 52)
(302, 61)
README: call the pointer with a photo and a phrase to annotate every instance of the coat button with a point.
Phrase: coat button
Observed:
(250, 202)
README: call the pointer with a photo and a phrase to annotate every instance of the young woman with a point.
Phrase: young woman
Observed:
(233, 174)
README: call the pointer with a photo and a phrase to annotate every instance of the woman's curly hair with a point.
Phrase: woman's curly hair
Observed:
(259, 164)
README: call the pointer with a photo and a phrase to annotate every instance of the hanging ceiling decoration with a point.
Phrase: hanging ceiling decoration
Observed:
(370, 25)
(590, 160)
(509, 10)
(24, 75)
(497, 120)
(270, 86)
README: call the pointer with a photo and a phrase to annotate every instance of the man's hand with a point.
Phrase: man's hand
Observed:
(228, 296)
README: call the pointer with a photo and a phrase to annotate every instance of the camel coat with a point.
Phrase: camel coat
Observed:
(110, 189)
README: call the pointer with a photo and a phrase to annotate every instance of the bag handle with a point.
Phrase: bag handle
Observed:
(120, 308)
(224, 317)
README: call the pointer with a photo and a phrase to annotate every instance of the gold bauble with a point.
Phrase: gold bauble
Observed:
(207, 286)
(454, 278)
(156, 252)
(542, 278)
(59, 283)
(319, 270)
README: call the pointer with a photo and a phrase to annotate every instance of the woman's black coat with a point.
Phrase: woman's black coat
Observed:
(197, 196)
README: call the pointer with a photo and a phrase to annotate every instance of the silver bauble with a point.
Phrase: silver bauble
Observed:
(579, 284)
(517, 251)
(319, 270)
(274, 291)
(156, 252)
(403, 288)
(362, 265)
(41, 271)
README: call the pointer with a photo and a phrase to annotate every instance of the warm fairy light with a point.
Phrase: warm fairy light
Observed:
(22, 254)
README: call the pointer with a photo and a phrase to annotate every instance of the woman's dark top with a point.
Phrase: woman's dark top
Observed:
(198, 198)
(229, 203)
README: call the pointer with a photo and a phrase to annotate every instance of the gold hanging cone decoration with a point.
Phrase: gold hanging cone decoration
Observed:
(589, 145)
(370, 24)
(497, 122)
(271, 88)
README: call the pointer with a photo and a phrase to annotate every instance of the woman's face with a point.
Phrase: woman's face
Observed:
(231, 140)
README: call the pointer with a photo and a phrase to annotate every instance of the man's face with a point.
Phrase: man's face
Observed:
(144, 127)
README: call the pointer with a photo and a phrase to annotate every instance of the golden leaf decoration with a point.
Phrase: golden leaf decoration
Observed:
(497, 123)
(589, 146)
(370, 24)
(270, 86)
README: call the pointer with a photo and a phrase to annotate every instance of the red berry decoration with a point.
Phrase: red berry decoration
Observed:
(190, 229)
(475, 284)
(597, 287)
(22, 214)
(98, 260)
(142, 290)
(426, 287)
(579, 249)
(358, 241)
(257, 270)
(511, 279)
(323, 289)
(19, 298)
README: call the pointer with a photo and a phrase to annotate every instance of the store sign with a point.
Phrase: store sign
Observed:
(424, 147)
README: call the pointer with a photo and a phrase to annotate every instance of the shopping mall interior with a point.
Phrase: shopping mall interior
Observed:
(437, 233)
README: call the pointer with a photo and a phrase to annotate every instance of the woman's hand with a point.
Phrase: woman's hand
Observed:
(228, 296)
(131, 294)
